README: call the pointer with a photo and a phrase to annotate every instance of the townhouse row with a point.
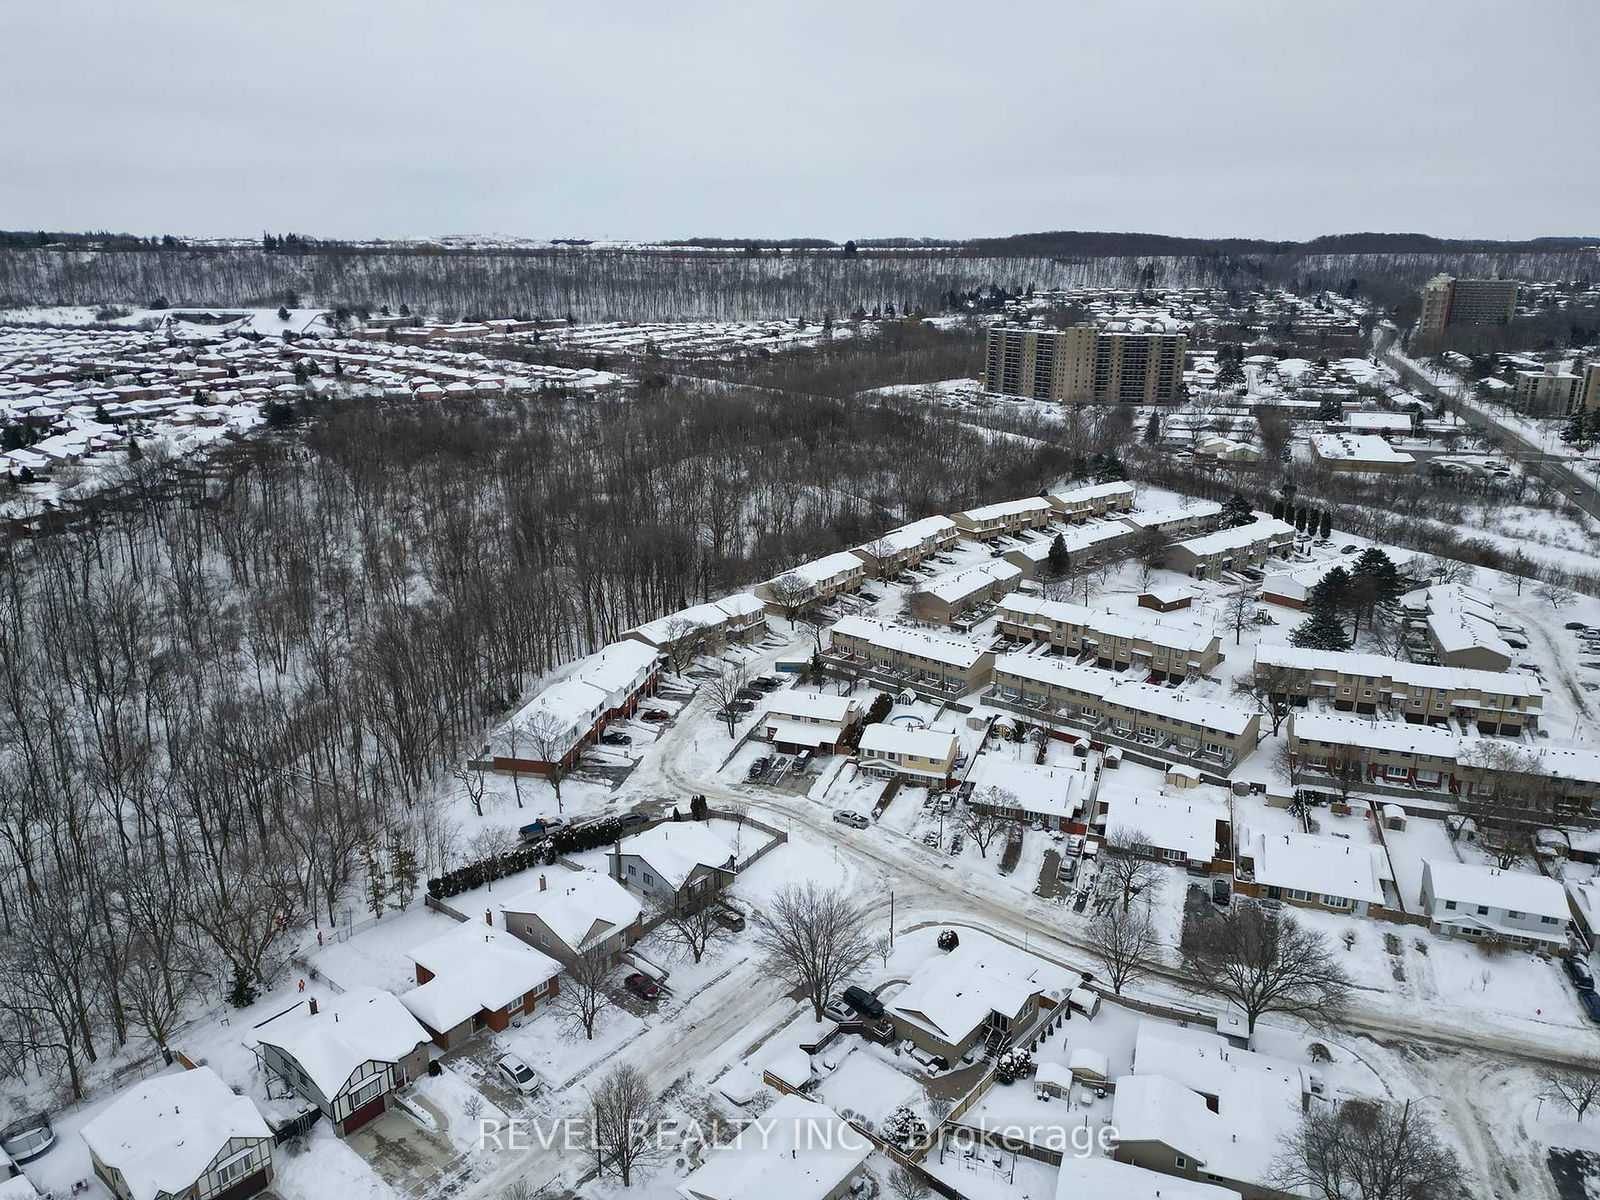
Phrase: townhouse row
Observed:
(1165, 649)
(1503, 703)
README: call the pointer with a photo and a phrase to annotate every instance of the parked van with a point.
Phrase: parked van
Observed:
(864, 1002)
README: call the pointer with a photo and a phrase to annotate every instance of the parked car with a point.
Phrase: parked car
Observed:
(1576, 625)
(1578, 971)
(643, 986)
(759, 768)
(838, 1011)
(629, 820)
(742, 706)
(655, 714)
(616, 739)
(751, 692)
(518, 1073)
(870, 597)
(802, 760)
(851, 818)
(728, 917)
(767, 683)
(1591, 1004)
(1221, 891)
(863, 1002)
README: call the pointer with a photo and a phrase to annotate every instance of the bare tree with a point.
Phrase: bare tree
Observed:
(1264, 961)
(791, 594)
(816, 938)
(1272, 689)
(508, 742)
(882, 553)
(682, 643)
(1125, 943)
(1366, 1150)
(1124, 870)
(584, 992)
(550, 738)
(622, 1111)
(722, 689)
(472, 784)
(907, 1184)
(1506, 817)
(1576, 1087)
(1556, 596)
(1240, 609)
(692, 927)
(986, 816)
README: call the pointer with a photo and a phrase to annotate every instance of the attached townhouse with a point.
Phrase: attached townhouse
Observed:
(1050, 689)
(1180, 520)
(1190, 829)
(820, 581)
(705, 628)
(1480, 903)
(555, 726)
(931, 663)
(907, 546)
(959, 597)
(1162, 649)
(347, 1056)
(1090, 542)
(1005, 519)
(1503, 703)
(1460, 625)
(1096, 500)
(1229, 550)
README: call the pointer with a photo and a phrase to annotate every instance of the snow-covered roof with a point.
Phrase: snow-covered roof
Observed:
(1186, 823)
(1414, 674)
(1195, 510)
(163, 1133)
(1093, 1178)
(952, 994)
(619, 667)
(1075, 538)
(1206, 712)
(1326, 866)
(886, 738)
(1178, 635)
(475, 967)
(1392, 421)
(912, 536)
(741, 604)
(1006, 508)
(815, 706)
(796, 1150)
(678, 624)
(955, 586)
(1297, 582)
(822, 570)
(936, 647)
(1054, 791)
(356, 1026)
(1395, 737)
(579, 907)
(1263, 530)
(1094, 491)
(1515, 891)
(676, 849)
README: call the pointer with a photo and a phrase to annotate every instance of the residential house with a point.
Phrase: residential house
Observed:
(1200, 1109)
(1096, 500)
(476, 977)
(705, 628)
(1191, 828)
(556, 725)
(180, 1137)
(1291, 586)
(1162, 649)
(1057, 692)
(1461, 625)
(917, 755)
(798, 720)
(795, 1150)
(572, 913)
(1497, 702)
(1360, 452)
(982, 992)
(820, 581)
(935, 663)
(1338, 874)
(1239, 548)
(676, 864)
(1481, 902)
(348, 1056)
(958, 595)
(1051, 795)
(1093, 541)
(1007, 518)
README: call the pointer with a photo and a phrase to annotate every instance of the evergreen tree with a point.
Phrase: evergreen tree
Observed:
(377, 884)
(1331, 593)
(1322, 630)
(283, 313)
(1113, 471)
(404, 871)
(1277, 510)
(1300, 519)
(1236, 511)
(1327, 526)
(1058, 562)
(849, 249)
(242, 993)
(1230, 373)
(1579, 429)
(1378, 578)
(1152, 429)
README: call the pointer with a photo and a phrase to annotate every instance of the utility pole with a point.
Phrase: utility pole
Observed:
(891, 918)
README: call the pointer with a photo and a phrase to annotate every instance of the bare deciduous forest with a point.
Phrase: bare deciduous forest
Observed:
(222, 698)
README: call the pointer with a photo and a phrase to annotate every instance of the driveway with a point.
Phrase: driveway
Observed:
(412, 1160)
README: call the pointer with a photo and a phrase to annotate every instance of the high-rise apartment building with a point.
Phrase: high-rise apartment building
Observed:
(1589, 393)
(1123, 362)
(1447, 302)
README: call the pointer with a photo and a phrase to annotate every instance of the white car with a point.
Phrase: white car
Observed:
(519, 1074)
(853, 819)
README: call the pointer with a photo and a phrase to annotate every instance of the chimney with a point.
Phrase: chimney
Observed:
(311, 1006)
(616, 860)
(543, 883)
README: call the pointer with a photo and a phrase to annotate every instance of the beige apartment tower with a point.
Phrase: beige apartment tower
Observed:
(1448, 302)
(1117, 364)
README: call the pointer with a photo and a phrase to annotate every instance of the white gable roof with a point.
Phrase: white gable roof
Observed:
(360, 1025)
(579, 907)
(475, 967)
(676, 848)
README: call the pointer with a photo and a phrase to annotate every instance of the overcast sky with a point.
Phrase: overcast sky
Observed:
(675, 118)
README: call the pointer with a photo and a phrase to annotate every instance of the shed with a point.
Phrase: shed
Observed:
(1089, 1066)
(1051, 1079)
(1394, 816)
(1084, 1000)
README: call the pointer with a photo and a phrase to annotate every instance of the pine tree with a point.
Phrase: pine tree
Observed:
(1327, 526)
(404, 872)
(1578, 430)
(242, 993)
(377, 884)
(1320, 631)
(1058, 562)
(1152, 429)
(1277, 510)
(1236, 511)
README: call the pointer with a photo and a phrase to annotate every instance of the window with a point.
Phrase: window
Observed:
(234, 1167)
(1550, 920)
(1483, 910)
(1180, 1162)
(366, 1093)
(1514, 914)
(1450, 905)
(1338, 902)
